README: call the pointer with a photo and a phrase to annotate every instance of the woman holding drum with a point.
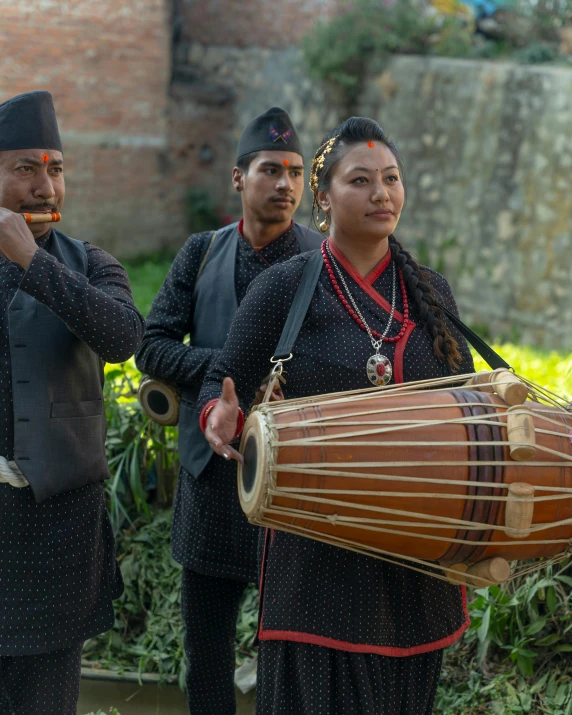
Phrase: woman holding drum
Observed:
(340, 632)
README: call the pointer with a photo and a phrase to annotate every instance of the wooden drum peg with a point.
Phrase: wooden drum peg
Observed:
(519, 510)
(521, 434)
(509, 388)
(491, 571)
(481, 381)
(453, 578)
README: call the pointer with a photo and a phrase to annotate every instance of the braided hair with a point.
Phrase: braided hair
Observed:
(333, 148)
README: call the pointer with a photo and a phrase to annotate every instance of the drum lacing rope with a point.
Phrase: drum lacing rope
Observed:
(10, 474)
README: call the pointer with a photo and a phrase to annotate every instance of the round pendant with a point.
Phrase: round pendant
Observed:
(379, 370)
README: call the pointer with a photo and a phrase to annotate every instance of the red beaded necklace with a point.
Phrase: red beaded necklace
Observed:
(353, 313)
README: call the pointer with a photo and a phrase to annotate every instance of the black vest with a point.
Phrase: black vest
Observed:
(214, 307)
(57, 387)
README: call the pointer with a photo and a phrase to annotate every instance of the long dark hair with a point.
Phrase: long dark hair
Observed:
(332, 149)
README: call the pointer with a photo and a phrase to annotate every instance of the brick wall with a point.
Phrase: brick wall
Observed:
(137, 132)
(107, 64)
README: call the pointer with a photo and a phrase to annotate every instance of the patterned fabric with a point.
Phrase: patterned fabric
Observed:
(46, 684)
(301, 679)
(58, 572)
(210, 533)
(210, 608)
(314, 592)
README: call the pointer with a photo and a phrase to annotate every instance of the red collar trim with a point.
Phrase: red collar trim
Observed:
(374, 274)
(364, 284)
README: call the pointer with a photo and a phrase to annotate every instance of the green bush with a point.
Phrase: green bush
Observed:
(148, 633)
(358, 41)
(342, 51)
(142, 455)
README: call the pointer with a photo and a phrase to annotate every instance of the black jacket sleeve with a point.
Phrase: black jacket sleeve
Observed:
(97, 307)
(163, 354)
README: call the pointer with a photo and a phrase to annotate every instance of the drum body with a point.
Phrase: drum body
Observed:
(396, 472)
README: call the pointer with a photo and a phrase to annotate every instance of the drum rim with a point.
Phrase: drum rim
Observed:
(147, 385)
(259, 427)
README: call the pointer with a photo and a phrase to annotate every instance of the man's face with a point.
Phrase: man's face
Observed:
(273, 185)
(32, 181)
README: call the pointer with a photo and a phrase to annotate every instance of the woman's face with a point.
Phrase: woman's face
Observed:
(366, 194)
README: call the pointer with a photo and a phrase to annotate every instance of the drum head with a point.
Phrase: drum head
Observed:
(253, 475)
(159, 401)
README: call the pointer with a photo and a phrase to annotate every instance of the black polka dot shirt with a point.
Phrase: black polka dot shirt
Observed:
(58, 572)
(316, 593)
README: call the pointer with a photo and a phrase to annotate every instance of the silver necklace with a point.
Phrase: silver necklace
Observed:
(378, 367)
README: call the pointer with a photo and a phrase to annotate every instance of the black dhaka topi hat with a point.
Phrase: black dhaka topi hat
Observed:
(271, 131)
(28, 121)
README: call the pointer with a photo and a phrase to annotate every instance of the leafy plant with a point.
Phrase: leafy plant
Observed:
(148, 633)
(361, 38)
(142, 455)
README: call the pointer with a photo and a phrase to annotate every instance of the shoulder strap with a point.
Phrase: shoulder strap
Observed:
(490, 356)
(299, 306)
(205, 256)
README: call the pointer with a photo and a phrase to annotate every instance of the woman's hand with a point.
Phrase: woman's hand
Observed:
(222, 422)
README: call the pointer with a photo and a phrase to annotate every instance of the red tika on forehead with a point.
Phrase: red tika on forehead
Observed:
(286, 162)
(370, 145)
(45, 158)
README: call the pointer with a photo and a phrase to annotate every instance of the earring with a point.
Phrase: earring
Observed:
(324, 226)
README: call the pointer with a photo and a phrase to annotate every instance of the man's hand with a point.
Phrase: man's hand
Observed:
(222, 422)
(16, 241)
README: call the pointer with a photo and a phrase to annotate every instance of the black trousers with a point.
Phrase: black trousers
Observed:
(44, 684)
(304, 679)
(210, 610)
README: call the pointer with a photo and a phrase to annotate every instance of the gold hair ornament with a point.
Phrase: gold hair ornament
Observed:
(318, 162)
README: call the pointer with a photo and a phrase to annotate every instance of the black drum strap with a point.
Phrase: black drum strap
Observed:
(490, 356)
(299, 306)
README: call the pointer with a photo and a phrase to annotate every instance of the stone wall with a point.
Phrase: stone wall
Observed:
(488, 152)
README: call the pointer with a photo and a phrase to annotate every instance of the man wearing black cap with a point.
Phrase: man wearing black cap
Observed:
(211, 537)
(65, 307)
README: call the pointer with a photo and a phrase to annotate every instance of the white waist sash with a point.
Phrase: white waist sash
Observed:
(10, 474)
